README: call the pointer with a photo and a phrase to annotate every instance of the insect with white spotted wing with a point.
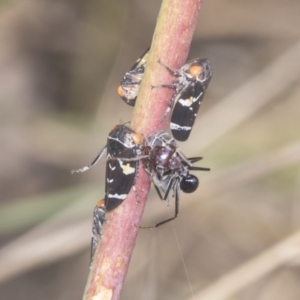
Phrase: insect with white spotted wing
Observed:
(123, 148)
(190, 84)
(167, 166)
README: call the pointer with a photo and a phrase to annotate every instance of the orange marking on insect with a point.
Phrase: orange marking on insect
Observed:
(120, 91)
(100, 203)
(137, 139)
(195, 70)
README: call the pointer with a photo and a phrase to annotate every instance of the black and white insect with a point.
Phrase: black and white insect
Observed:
(169, 169)
(190, 84)
(123, 155)
(166, 165)
(130, 84)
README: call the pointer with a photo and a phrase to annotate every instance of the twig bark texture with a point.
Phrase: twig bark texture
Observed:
(171, 42)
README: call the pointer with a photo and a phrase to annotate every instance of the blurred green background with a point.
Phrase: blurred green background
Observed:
(60, 65)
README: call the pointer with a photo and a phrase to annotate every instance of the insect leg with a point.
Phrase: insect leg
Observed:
(176, 205)
(173, 182)
(190, 161)
(93, 163)
(128, 159)
(173, 72)
(199, 169)
(195, 159)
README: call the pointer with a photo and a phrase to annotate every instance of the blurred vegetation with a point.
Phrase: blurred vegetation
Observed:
(60, 65)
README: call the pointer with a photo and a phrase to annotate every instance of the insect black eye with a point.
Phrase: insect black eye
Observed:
(189, 183)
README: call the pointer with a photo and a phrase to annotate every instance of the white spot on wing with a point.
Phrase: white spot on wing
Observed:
(174, 126)
(111, 167)
(186, 102)
(127, 169)
(117, 196)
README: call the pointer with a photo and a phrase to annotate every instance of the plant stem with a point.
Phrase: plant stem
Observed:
(171, 41)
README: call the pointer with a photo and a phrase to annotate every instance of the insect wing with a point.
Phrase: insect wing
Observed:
(120, 177)
(141, 61)
(120, 173)
(130, 84)
(185, 110)
(206, 73)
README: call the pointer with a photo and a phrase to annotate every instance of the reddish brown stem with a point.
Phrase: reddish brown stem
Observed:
(171, 41)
